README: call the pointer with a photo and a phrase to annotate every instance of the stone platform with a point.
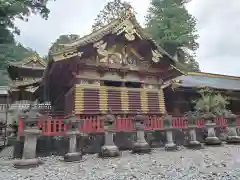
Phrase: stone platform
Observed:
(210, 163)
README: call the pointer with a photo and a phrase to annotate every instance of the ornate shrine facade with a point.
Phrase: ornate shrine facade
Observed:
(117, 67)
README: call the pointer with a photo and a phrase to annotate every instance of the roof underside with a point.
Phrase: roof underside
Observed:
(203, 80)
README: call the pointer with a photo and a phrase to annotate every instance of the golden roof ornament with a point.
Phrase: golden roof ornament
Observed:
(128, 28)
(129, 12)
(156, 55)
(79, 54)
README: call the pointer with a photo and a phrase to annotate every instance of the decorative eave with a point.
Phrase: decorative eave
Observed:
(25, 67)
(24, 62)
(116, 27)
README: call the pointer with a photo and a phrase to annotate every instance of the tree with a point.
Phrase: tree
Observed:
(174, 29)
(10, 10)
(63, 39)
(111, 11)
(13, 52)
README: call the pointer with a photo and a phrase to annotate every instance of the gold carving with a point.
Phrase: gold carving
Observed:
(128, 28)
(108, 55)
(156, 55)
(66, 55)
(79, 54)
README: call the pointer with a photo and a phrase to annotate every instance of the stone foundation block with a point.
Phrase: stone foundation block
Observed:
(73, 157)
(171, 147)
(233, 140)
(194, 145)
(212, 141)
(27, 163)
(109, 151)
(140, 147)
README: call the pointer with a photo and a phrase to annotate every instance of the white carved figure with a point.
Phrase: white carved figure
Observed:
(156, 55)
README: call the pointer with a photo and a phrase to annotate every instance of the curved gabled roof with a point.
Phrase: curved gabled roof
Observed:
(113, 28)
(32, 66)
(32, 62)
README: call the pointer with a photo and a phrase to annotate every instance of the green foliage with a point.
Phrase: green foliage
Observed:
(63, 39)
(11, 10)
(173, 28)
(11, 52)
(45, 58)
(211, 102)
(111, 11)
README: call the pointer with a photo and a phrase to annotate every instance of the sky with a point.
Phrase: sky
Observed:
(218, 24)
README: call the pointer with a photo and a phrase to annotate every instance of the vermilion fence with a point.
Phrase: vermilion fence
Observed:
(93, 124)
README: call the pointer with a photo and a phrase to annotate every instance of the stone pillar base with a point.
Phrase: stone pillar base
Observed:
(233, 139)
(141, 147)
(27, 163)
(212, 141)
(171, 147)
(109, 151)
(194, 145)
(73, 157)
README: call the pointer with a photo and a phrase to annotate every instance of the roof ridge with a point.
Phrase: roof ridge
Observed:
(22, 63)
(214, 75)
(127, 14)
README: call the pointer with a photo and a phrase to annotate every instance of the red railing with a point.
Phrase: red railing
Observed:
(154, 123)
(93, 124)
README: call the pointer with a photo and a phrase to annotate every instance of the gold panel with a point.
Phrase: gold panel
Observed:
(124, 100)
(79, 100)
(144, 100)
(161, 101)
(103, 99)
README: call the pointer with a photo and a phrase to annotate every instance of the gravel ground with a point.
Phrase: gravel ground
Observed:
(209, 163)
